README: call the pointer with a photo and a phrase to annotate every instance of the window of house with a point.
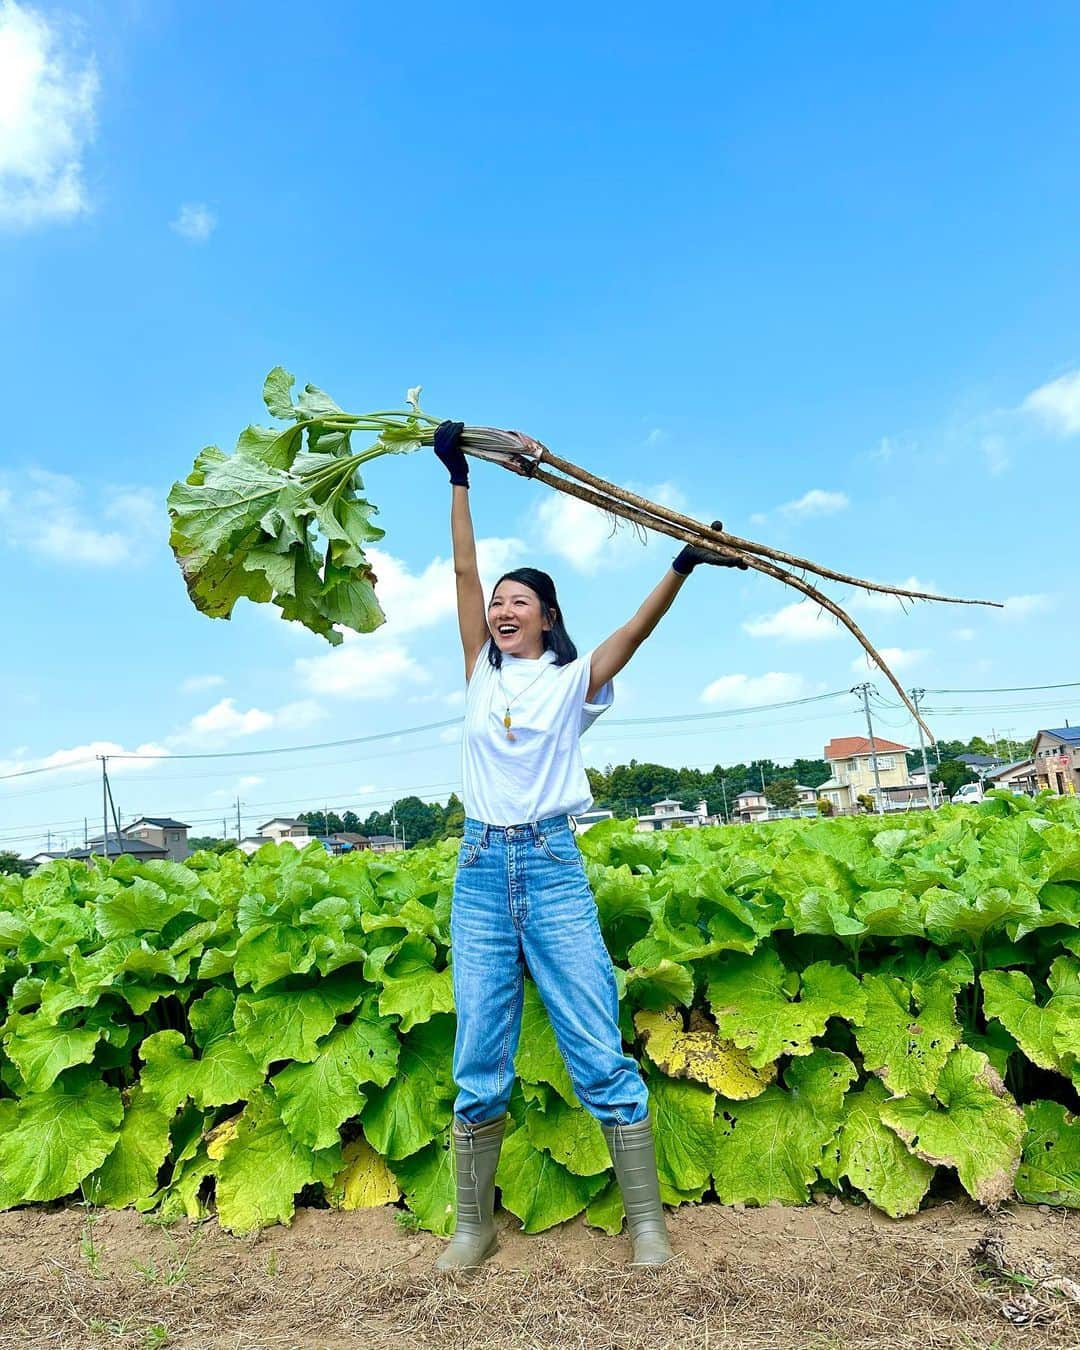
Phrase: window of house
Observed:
(884, 761)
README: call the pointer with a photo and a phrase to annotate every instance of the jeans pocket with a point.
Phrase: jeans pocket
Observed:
(561, 848)
(468, 854)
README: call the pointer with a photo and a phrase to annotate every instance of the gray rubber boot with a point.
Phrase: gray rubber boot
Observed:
(476, 1156)
(634, 1155)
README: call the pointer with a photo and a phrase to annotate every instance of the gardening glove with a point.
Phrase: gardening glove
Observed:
(448, 449)
(691, 555)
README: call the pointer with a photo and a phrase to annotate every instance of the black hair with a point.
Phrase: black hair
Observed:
(556, 638)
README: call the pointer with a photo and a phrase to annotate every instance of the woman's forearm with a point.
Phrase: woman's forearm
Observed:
(653, 608)
(461, 532)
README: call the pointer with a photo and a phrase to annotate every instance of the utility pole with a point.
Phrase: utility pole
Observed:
(224, 828)
(761, 771)
(864, 689)
(238, 834)
(85, 833)
(723, 794)
(917, 694)
(104, 807)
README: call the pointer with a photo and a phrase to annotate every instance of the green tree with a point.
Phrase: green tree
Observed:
(210, 844)
(952, 775)
(781, 792)
(350, 822)
(12, 865)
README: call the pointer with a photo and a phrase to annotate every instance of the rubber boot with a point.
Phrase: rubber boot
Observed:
(476, 1156)
(634, 1155)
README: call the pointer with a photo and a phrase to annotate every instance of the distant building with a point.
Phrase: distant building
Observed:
(286, 827)
(385, 843)
(1019, 776)
(671, 815)
(163, 831)
(1056, 758)
(851, 759)
(980, 765)
(112, 847)
(588, 819)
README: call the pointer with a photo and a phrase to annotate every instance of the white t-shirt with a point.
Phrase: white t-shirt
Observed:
(539, 773)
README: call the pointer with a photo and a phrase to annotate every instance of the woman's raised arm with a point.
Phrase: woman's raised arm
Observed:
(613, 654)
(472, 616)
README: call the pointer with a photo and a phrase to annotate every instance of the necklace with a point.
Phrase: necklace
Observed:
(507, 720)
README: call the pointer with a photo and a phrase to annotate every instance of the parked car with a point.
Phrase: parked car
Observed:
(969, 792)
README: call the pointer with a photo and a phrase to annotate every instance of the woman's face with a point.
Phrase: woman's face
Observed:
(517, 620)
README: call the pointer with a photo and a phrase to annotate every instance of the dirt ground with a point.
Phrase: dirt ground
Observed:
(813, 1278)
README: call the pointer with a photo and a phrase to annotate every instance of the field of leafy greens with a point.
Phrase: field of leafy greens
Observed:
(869, 1006)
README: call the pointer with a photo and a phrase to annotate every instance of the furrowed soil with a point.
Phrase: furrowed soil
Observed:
(815, 1278)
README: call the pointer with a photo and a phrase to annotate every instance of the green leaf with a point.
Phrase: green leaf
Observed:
(263, 1168)
(753, 999)
(417, 1104)
(427, 1178)
(873, 1159)
(771, 1148)
(904, 1038)
(277, 393)
(569, 1134)
(43, 1051)
(682, 1116)
(538, 1058)
(58, 1137)
(540, 1191)
(606, 1212)
(660, 985)
(1049, 1034)
(225, 1073)
(131, 1169)
(411, 987)
(289, 1023)
(1049, 1173)
(969, 1122)
(316, 1099)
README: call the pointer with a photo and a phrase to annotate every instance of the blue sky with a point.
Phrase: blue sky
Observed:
(812, 271)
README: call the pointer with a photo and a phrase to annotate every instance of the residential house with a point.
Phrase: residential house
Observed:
(980, 765)
(166, 833)
(1016, 777)
(750, 806)
(851, 759)
(112, 847)
(1056, 757)
(347, 841)
(385, 843)
(286, 827)
(753, 806)
(670, 815)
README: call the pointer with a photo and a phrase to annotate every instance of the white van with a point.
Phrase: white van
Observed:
(969, 792)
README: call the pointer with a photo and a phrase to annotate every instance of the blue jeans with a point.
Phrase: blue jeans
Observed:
(521, 898)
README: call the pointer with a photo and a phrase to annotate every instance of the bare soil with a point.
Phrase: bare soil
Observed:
(813, 1278)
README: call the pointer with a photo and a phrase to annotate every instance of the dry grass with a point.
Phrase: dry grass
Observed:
(895, 1298)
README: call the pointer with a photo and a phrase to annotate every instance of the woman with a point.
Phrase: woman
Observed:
(521, 898)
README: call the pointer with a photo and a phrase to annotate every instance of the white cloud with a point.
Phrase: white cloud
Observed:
(195, 684)
(47, 106)
(1021, 606)
(226, 722)
(896, 658)
(589, 539)
(195, 221)
(880, 603)
(963, 634)
(365, 668)
(1057, 403)
(816, 502)
(802, 621)
(45, 513)
(741, 691)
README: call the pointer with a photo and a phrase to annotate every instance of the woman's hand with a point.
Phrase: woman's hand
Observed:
(692, 555)
(448, 448)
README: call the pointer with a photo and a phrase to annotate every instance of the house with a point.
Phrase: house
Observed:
(851, 759)
(752, 806)
(980, 765)
(1016, 777)
(142, 849)
(286, 827)
(588, 819)
(166, 833)
(1056, 757)
(670, 815)
(347, 841)
(385, 843)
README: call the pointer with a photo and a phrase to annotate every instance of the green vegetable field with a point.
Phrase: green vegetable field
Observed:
(871, 1006)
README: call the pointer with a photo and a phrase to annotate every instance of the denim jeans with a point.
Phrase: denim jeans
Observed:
(521, 900)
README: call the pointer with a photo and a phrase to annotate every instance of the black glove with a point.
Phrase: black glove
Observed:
(448, 448)
(691, 555)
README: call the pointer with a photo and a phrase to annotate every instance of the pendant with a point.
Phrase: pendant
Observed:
(506, 723)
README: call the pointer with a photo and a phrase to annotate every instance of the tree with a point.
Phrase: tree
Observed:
(782, 792)
(952, 775)
(12, 865)
(209, 843)
(350, 823)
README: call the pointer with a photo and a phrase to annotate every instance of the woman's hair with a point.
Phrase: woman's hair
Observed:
(556, 638)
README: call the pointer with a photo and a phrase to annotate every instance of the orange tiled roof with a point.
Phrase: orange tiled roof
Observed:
(846, 747)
